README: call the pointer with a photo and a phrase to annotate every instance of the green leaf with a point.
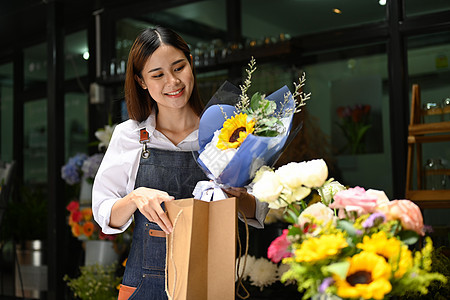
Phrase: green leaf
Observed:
(408, 237)
(292, 215)
(347, 226)
(340, 268)
(268, 133)
(254, 102)
(269, 107)
(294, 230)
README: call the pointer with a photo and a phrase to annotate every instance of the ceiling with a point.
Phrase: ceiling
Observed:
(23, 22)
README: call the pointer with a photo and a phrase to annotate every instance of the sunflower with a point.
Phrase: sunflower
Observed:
(315, 249)
(367, 277)
(235, 130)
(88, 229)
(394, 252)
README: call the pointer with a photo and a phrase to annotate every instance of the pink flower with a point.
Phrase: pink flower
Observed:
(354, 199)
(407, 212)
(278, 249)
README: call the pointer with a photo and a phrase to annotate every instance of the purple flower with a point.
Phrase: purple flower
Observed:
(325, 284)
(91, 165)
(374, 219)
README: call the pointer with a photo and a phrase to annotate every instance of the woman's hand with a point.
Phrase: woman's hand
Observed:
(148, 201)
(246, 202)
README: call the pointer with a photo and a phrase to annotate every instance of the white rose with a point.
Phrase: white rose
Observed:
(300, 193)
(381, 196)
(290, 175)
(268, 187)
(313, 173)
(319, 211)
(328, 191)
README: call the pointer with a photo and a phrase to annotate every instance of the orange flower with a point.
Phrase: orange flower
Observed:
(87, 213)
(76, 230)
(88, 228)
(407, 212)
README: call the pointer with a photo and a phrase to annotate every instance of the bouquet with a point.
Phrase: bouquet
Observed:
(82, 223)
(82, 167)
(353, 244)
(238, 133)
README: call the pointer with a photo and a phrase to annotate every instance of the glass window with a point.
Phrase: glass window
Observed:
(76, 124)
(419, 7)
(35, 141)
(76, 55)
(35, 64)
(350, 96)
(6, 112)
(428, 66)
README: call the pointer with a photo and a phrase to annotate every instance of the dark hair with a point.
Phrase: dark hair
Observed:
(139, 102)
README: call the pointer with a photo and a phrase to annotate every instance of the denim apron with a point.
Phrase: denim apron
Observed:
(177, 173)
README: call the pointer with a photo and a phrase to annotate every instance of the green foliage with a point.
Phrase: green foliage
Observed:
(263, 111)
(26, 217)
(96, 282)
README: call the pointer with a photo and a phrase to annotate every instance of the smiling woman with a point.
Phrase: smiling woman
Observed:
(149, 160)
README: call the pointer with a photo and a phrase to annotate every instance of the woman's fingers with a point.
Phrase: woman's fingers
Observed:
(159, 216)
(148, 201)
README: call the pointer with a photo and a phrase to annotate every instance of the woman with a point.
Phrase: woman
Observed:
(149, 160)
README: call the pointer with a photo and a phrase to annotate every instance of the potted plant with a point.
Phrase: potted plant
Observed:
(96, 282)
(25, 224)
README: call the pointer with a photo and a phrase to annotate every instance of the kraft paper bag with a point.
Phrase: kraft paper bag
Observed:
(201, 250)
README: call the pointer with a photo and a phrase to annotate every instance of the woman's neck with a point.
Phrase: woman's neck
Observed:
(176, 125)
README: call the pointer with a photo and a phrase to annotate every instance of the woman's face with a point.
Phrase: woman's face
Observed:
(168, 77)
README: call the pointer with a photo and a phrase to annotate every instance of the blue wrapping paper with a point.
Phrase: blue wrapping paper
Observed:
(255, 151)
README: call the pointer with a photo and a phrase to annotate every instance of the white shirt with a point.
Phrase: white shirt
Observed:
(117, 173)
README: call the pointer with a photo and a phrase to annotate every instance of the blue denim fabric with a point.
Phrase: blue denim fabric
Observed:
(177, 173)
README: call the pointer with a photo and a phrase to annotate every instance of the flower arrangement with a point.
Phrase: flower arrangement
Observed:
(83, 167)
(239, 132)
(96, 282)
(354, 124)
(82, 223)
(353, 244)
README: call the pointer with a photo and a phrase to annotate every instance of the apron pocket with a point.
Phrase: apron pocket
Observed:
(154, 248)
(125, 292)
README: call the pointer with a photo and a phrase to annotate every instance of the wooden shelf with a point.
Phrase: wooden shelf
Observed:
(420, 133)
(430, 198)
(429, 128)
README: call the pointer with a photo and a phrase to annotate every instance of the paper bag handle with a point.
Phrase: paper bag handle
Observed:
(171, 236)
(240, 284)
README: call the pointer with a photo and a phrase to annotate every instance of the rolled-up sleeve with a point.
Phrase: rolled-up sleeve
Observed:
(112, 181)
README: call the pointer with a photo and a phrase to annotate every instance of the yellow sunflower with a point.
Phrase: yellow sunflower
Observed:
(235, 130)
(367, 277)
(397, 254)
(319, 248)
